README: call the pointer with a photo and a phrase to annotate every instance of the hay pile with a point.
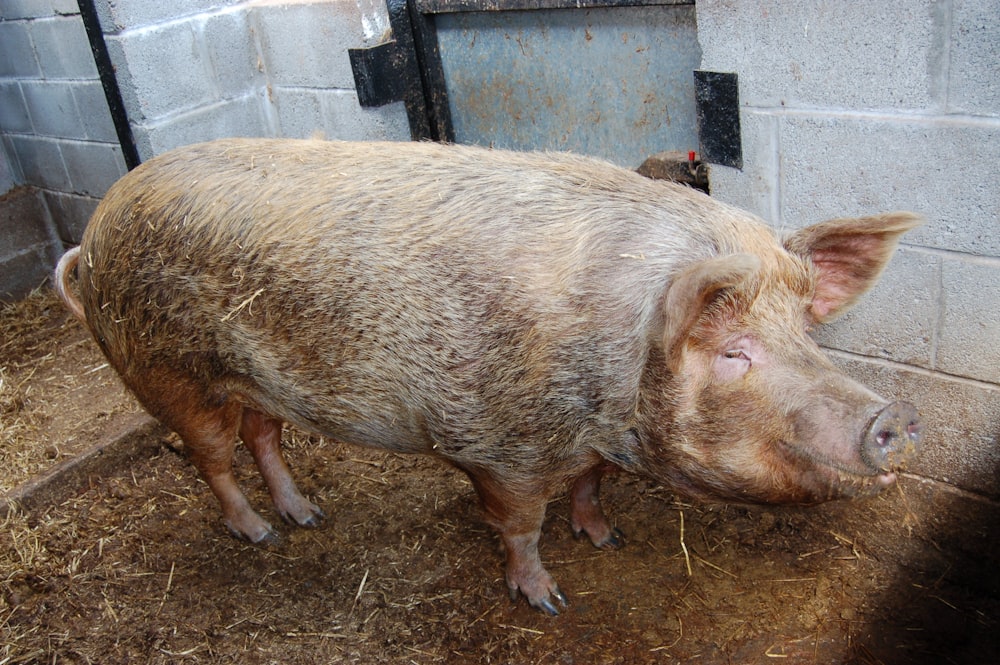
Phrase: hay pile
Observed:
(27, 345)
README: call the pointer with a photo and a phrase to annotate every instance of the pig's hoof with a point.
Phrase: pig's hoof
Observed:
(256, 530)
(267, 537)
(614, 540)
(313, 520)
(310, 518)
(545, 602)
(269, 540)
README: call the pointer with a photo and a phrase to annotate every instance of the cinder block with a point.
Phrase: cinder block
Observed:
(232, 50)
(27, 247)
(375, 23)
(962, 441)
(41, 162)
(161, 71)
(13, 110)
(119, 15)
(336, 114)
(65, 7)
(93, 167)
(238, 117)
(969, 342)
(837, 165)
(70, 214)
(839, 54)
(62, 48)
(12, 164)
(22, 221)
(94, 113)
(11, 10)
(17, 55)
(344, 119)
(755, 187)
(52, 108)
(8, 173)
(299, 112)
(305, 44)
(896, 320)
(24, 272)
(974, 86)
(18, 9)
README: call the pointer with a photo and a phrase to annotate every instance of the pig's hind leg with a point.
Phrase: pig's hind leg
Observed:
(587, 516)
(210, 438)
(518, 516)
(208, 421)
(262, 435)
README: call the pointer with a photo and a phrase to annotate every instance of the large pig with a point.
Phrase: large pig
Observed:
(533, 319)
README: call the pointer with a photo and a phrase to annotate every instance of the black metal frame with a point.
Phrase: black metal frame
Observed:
(409, 68)
(112, 93)
(448, 6)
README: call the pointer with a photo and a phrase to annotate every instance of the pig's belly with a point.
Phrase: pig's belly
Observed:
(386, 426)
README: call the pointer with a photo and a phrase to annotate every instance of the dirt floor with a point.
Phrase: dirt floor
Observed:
(133, 564)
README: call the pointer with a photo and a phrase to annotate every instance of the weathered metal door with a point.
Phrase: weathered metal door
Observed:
(611, 78)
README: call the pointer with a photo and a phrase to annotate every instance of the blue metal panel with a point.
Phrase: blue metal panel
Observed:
(615, 83)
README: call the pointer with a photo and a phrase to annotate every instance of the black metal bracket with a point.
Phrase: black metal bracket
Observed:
(717, 99)
(408, 69)
(378, 73)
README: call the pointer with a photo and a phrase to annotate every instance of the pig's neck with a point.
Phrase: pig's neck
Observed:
(655, 421)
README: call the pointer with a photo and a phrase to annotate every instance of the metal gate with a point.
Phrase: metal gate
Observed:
(610, 78)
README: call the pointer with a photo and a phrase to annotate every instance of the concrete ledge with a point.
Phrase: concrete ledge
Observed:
(134, 436)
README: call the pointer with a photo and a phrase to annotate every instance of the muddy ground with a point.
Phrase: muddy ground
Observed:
(133, 564)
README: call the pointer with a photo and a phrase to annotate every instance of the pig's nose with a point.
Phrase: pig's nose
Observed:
(892, 437)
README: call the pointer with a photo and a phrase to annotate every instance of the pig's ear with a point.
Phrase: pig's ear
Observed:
(694, 289)
(849, 255)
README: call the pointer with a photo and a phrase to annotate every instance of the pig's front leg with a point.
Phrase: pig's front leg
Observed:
(586, 515)
(527, 575)
(518, 516)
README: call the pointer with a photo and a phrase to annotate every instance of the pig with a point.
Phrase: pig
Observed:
(536, 320)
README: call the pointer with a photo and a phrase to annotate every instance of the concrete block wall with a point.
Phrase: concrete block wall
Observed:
(56, 136)
(200, 69)
(189, 70)
(850, 108)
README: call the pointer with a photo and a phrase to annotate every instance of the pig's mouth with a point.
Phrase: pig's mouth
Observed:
(854, 485)
(827, 479)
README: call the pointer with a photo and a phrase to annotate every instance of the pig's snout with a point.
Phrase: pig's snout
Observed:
(892, 437)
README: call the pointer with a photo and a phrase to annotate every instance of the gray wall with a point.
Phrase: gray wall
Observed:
(56, 136)
(197, 69)
(850, 108)
(190, 70)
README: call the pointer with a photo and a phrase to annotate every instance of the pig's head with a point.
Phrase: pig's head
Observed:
(740, 404)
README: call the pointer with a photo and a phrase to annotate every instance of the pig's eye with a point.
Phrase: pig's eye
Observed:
(731, 364)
